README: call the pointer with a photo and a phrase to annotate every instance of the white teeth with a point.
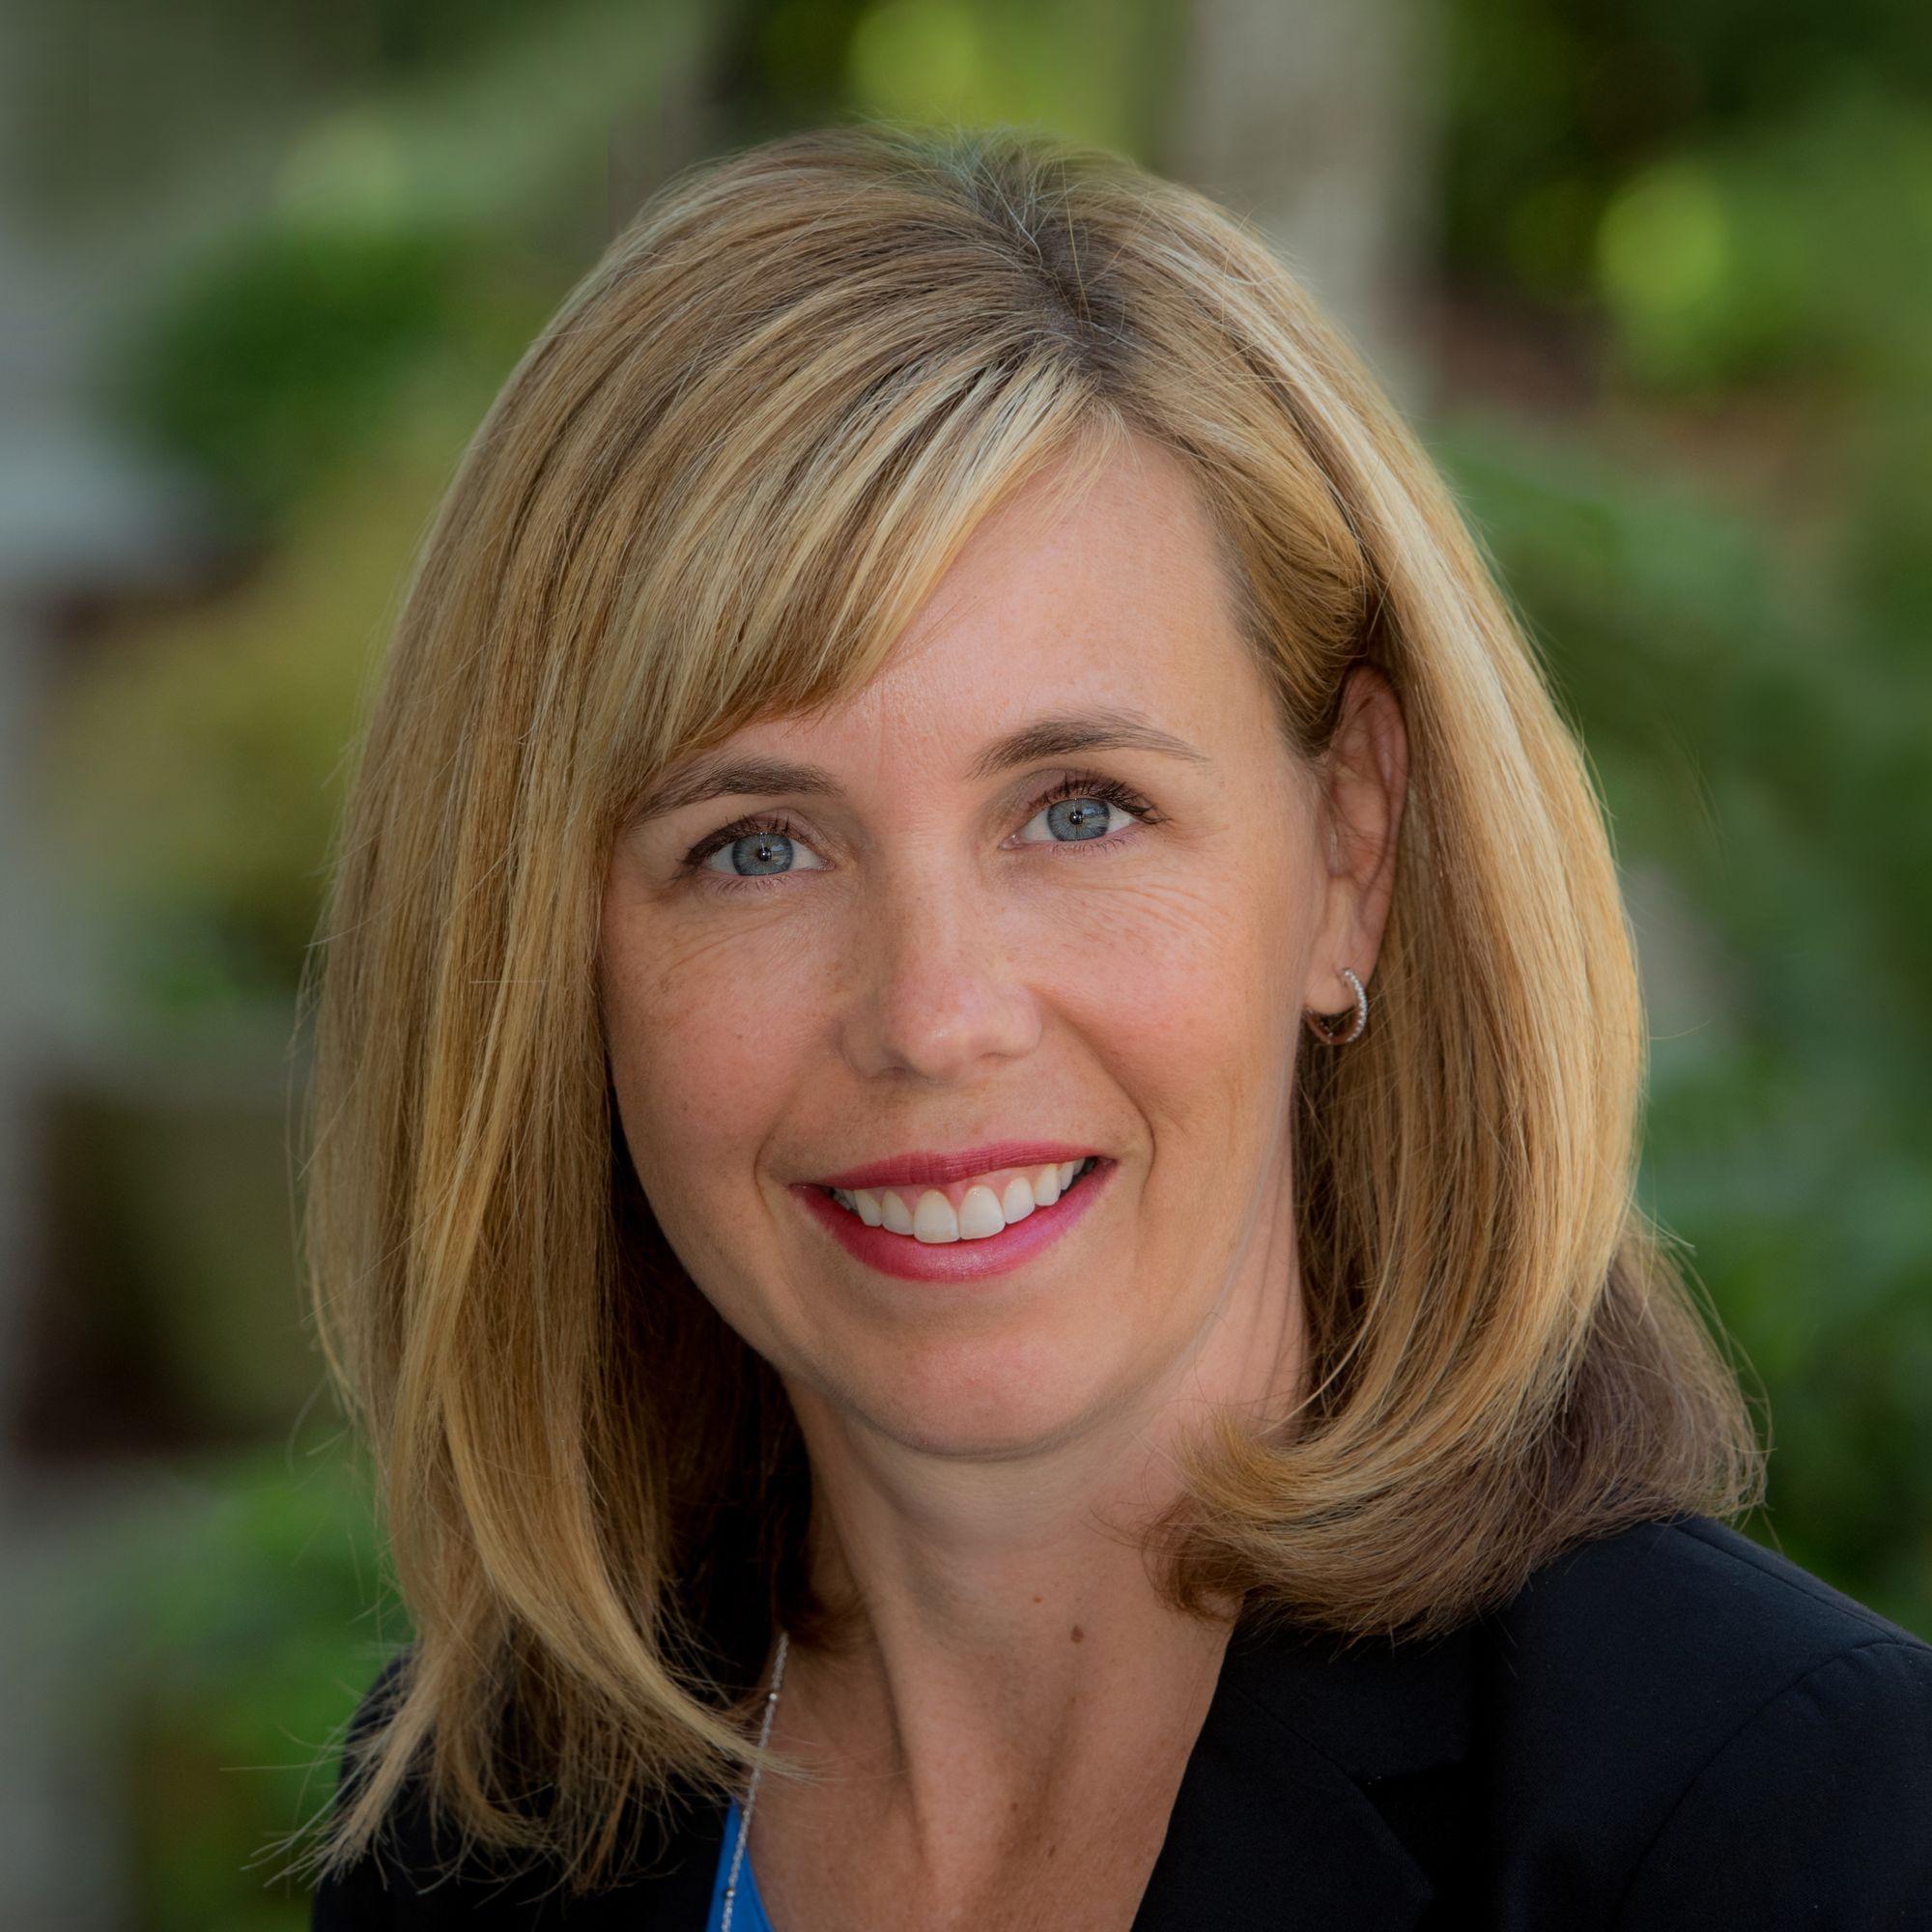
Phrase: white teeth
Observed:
(980, 1214)
(933, 1219)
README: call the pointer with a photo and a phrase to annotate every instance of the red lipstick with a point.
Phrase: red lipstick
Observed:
(932, 1168)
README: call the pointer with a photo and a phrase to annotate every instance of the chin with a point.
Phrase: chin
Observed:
(989, 1405)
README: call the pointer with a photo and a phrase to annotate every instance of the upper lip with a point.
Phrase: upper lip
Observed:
(931, 1168)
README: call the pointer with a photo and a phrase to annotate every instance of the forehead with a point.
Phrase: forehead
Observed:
(1118, 599)
(1134, 548)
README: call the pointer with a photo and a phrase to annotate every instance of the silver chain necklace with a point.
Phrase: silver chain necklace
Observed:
(751, 1797)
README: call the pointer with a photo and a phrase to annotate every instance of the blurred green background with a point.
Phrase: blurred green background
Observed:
(1652, 279)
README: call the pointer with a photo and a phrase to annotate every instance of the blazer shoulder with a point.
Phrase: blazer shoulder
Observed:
(1700, 1591)
(1670, 1633)
(1641, 1683)
(1829, 1781)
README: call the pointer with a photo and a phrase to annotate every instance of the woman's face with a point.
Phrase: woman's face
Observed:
(953, 941)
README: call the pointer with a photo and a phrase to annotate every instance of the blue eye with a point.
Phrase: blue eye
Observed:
(1081, 818)
(756, 849)
(1079, 809)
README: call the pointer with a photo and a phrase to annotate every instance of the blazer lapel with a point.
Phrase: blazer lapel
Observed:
(1273, 1824)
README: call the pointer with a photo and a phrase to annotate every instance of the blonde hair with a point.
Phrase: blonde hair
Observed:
(715, 488)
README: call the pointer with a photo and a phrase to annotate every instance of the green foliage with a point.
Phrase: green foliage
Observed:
(1741, 202)
(1089, 70)
(1801, 252)
(1554, 109)
(222, 1638)
(1769, 748)
(197, 770)
(278, 357)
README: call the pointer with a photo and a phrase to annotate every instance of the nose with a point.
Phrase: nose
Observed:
(935, 994)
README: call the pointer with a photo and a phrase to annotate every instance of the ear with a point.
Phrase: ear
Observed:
(1364, 783)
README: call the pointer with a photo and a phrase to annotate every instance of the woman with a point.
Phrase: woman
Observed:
(974, 1130)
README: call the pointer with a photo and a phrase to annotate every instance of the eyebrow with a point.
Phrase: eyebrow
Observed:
(1053, 737)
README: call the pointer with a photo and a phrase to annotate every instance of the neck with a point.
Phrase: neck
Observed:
(1009, 1636)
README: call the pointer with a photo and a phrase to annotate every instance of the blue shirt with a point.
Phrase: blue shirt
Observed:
(748, 1909)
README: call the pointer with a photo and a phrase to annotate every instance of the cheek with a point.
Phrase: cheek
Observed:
(1199, 962)
(700, 1049)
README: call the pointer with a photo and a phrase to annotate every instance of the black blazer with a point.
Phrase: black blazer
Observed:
(1668, 1727)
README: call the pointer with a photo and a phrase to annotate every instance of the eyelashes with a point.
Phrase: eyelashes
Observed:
(1093, 785)
(1072, 784)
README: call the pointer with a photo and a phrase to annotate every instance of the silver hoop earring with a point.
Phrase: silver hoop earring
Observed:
(1322, 1034)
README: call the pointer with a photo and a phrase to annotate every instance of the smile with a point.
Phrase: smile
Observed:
(936, 1243)
(968, 1211)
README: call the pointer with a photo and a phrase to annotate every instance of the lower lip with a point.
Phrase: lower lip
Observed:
(911, 1260)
